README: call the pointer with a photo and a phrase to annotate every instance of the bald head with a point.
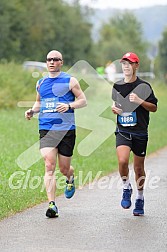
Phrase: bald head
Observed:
(54, 62)
(54, 53)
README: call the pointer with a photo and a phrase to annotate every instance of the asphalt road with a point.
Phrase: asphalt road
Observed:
(93, 219)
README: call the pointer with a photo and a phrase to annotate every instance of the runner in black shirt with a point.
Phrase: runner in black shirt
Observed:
(133, 100)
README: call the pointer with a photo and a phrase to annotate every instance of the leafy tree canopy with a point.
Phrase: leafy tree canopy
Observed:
(121, 34)
(29, 29)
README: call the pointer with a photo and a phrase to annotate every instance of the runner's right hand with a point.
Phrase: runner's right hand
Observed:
(28, 114)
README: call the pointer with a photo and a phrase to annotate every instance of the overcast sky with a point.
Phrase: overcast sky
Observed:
(121, 4)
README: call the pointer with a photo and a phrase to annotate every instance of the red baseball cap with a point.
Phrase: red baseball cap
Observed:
(131, 57)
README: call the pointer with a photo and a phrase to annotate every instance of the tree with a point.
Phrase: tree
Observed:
(29, 29)
(121, 34)
(10, 29)
(73, 33)
(162, 55)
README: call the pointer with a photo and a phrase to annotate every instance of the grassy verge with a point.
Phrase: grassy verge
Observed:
(20, 188)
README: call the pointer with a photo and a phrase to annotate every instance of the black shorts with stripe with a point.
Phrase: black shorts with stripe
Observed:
(137, 143)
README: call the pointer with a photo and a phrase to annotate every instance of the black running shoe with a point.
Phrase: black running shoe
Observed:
(52, 211)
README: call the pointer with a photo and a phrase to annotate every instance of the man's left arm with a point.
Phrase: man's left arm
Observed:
(145, 104)
(80, 101)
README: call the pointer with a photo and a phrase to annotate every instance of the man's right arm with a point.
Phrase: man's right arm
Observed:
(116, 108)
(35, 109)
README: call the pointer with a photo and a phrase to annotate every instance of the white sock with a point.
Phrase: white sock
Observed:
(126, 184)
(71, 179)
(140, 194)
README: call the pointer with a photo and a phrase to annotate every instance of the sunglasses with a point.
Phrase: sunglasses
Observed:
(54, 59)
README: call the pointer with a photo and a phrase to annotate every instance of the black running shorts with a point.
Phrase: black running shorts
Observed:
(63, 140)
(138, 144)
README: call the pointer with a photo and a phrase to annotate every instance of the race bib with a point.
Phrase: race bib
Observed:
(48, 105)
(127, 119)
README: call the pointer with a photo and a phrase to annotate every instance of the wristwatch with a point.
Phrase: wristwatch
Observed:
(69, 107)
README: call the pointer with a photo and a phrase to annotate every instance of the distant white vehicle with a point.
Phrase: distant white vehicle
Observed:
(35, 66)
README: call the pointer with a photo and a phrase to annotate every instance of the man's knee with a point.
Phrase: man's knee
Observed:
(50, 165)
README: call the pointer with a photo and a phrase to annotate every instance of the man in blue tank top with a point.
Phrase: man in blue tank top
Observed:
(58, 95)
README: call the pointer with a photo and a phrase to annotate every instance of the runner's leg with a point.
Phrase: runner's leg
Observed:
(49, 154)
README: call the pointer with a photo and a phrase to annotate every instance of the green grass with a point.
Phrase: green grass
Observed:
(17, 135)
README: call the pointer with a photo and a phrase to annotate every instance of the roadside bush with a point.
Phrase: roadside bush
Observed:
(15, 84)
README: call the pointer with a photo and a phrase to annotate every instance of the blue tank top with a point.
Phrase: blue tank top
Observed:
(52, 91)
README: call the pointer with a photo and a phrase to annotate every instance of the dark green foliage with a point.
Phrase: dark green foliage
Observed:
(29, 29)
(15, 85)
(163, 54)
(121, 34)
